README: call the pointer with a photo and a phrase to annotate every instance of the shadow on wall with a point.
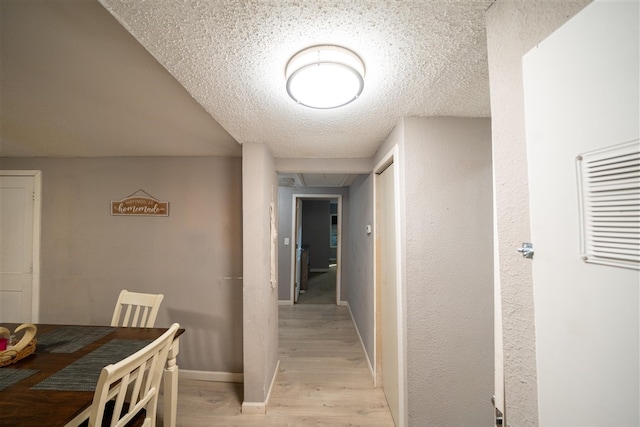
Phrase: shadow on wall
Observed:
(212, 342)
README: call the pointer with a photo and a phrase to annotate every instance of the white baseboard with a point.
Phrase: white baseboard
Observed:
(254, 408)
(215, 376)
(366, 355)
(273, 381)
(260, 408)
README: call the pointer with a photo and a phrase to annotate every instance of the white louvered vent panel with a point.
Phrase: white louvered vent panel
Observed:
(609, 185)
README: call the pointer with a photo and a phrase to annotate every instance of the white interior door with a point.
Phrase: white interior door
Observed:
(582, 94)
(18, 289)
(386, 261)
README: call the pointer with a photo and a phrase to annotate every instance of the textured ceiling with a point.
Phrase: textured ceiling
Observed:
(422, 58)
(93, 78)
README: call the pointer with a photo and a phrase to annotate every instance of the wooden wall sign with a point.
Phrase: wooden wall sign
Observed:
(140, 203)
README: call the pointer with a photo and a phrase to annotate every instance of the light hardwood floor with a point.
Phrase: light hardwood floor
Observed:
(323, 379)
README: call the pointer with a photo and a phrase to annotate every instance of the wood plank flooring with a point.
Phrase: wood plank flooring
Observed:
(323, 379)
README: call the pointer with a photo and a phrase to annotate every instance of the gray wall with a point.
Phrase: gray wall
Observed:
(193, 257)
(359, 258)
(260, 296)
(513, 28)
(449, 259)
(446, 247)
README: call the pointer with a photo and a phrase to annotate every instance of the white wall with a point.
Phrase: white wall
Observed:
(581, 94)
(351, 165)
(513, 28)
(193, 256)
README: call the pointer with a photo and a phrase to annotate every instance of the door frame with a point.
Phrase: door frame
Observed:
(35, 255)
(294, 201)
(392, 156)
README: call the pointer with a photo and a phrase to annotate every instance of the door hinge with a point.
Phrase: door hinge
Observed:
(498, 413)
(33, 196)
(526, 250)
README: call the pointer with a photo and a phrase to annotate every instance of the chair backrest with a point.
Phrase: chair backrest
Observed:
(136, 309)
(132, 384)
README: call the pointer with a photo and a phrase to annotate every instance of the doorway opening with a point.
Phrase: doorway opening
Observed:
(316, 252)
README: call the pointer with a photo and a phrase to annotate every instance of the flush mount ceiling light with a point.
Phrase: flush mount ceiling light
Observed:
(325, 77)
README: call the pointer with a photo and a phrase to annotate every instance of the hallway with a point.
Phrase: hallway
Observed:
(323, 379)
(321, 288)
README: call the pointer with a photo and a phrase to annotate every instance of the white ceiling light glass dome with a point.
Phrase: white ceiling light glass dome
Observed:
(325, 76)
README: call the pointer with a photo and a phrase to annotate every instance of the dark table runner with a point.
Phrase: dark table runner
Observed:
(83, 374)
(69, 339)
(9, 377)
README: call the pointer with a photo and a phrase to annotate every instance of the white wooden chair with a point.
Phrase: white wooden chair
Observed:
(136, 309)
(127, 391)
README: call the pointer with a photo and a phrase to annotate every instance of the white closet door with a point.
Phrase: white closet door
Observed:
(16, 248)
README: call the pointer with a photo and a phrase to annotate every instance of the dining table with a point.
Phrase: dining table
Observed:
(55, 385)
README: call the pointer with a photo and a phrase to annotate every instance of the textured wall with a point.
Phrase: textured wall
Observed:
(513, 28)
(193, 257)
(260, 296)
(449, 277)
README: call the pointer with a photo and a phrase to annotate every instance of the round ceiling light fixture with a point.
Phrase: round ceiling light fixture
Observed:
(325, 77)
